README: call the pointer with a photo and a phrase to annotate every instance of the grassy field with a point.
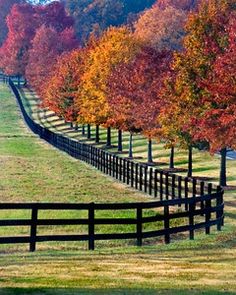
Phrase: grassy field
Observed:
(34, 171)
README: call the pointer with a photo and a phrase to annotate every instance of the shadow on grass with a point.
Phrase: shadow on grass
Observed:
(113, 291)
(201, 169)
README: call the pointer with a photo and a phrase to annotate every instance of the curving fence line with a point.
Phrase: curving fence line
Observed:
(201, 203)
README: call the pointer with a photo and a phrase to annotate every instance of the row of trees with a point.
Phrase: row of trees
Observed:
(171, 77)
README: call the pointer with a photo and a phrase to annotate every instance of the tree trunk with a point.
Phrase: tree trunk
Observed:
(88, 131)
(131, 145)
(120, 146)
(83, 129)
(108, 137)
(150, 160)
(172, 153)
(71, 124)
(97, 134)
(76, 126)
(223, 167)
(19, 81)
(190, 161)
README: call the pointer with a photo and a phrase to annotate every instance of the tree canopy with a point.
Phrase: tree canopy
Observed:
(23, 22)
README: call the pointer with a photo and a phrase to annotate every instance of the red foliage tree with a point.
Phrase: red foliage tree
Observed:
(47, 45)
(22, 22)
(217, 124)
(5, 7)
(133, 93)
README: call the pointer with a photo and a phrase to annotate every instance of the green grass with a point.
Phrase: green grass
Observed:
(31, 171)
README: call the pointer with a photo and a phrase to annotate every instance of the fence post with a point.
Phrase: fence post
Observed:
(128, 172)
(208, 207)
(150, 181)
(104, 162)
(107, 163)
(124, 169)
(117, 167)
(167, 185)
(141, 178)
(218, 203)
(155, 183)
(113, 165)
(91, 226)
(186, 191)
(120, 169)
(194, 187)
(33, 229)
(136, 175)
(173, 185)
(145, 178)
(161, 185)
(202, 185)
(191, 220)
(166, 224)
(95, 157)
(110, 165)
(132, 174)
(139, 226)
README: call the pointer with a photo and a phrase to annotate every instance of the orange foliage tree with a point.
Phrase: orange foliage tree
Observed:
(116, 45)
(60, 92)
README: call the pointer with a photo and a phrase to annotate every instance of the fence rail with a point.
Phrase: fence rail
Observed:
(196, 198)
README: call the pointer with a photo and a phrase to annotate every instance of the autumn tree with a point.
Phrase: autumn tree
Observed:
(136, 85)
(47, 46)
(5, 7)
(205, 39)
(115, 46)
(216, 123)
(22, 22)
(60, 92)
(162, 29)
(121, 102)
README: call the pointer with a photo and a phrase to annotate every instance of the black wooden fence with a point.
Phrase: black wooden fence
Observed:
(207, 209)
(197, 198)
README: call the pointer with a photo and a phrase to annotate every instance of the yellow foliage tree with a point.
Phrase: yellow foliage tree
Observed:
(116, 45)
